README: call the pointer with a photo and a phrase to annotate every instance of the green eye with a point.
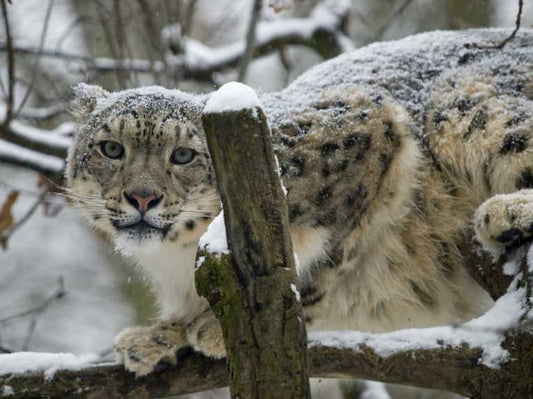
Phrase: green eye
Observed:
(112, 149)
(182, 155)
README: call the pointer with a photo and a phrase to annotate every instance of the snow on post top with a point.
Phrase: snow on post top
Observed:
(233, 96)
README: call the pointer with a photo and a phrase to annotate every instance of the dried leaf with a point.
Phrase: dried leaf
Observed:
(6, 217)
(280, 5)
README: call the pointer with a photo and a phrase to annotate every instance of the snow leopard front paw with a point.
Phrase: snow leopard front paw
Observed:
(505, 221)
(141, 349)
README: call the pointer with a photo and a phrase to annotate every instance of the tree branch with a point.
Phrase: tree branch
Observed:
(36, 66)
(47, 165)
(250, 39)
(321, 31)
(504, 42)
(10, 66)
(454, 369)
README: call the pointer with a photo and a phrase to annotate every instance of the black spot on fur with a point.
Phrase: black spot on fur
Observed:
(515, 120)
(362, 116)
(360, 142)
(305, 128)
(325, 170)
(486, 218)
(355, 197)
(466, 58)
(294, 212)
(328, 149)
(378, 100)
(341, 166)
(326, 219)
(438, 118)
(384, 160)
(288, 141)
(465, 104)
(338, 107)
(389, 131)
(323, 195)
(106, 128)
(189, 224)
(525, 180)
(514, 142)
(298, 166)
(478, 122)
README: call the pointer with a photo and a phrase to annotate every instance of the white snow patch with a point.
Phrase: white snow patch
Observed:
(485, 332)
(374, 390)
(214, 239)
(49, 363)
(233, 96)
(200, 261)
(296, 292)
(297, 264)
(7, 391)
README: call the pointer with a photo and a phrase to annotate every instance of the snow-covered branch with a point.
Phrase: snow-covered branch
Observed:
(60, 375)
(481, 358)
(322, 31)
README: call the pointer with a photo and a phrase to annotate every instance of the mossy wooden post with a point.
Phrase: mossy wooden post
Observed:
(253, 290)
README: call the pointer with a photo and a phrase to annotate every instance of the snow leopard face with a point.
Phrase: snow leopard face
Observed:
(139, 168)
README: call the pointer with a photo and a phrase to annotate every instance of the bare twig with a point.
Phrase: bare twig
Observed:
(68, 31)
(7, 235)
(10, 68)
(44, 113)
(58, 294)
(504, 42)
(189, 14)
(104, 17)
(383, 28)
(250, 39)
(152, 33)
(35, 70)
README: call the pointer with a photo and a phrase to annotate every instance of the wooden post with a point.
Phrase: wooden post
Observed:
(253, 291)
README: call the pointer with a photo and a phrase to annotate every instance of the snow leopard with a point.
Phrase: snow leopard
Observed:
(394, 158)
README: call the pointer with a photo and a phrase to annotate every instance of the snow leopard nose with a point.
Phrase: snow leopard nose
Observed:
(142, 201)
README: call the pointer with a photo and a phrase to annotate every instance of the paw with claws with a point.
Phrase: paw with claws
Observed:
(143, 349)
(505, 221)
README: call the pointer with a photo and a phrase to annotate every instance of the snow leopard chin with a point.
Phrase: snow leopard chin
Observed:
(131, 242)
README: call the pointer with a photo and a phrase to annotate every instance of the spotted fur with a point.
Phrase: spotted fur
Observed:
(385, 156)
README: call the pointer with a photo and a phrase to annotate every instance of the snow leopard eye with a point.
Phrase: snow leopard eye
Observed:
(112, 149)
(182, 155)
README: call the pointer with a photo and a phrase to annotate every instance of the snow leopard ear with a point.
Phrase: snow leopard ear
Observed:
(84, 100)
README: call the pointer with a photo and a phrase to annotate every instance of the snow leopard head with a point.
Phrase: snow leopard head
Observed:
(139, 168)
